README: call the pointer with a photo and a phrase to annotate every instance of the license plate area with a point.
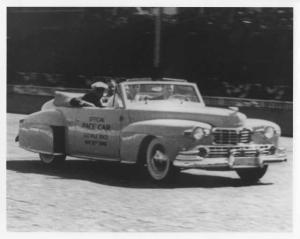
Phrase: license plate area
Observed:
(246, 161)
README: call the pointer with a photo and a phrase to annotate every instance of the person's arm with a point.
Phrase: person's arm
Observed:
(76, 102)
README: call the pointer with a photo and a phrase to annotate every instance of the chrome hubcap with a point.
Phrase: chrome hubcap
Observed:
(159, 161)
(159, 157)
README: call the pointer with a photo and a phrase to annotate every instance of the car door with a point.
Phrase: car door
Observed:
(97, 133)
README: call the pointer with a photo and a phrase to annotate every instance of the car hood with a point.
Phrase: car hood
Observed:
(216, 117)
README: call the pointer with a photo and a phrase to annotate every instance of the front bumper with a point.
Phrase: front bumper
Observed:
(236, 157)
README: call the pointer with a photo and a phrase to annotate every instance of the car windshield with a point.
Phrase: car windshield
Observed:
(150, 92)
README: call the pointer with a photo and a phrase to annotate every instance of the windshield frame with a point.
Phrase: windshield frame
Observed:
(127, 102)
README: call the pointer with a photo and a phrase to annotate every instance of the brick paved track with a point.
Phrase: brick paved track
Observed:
(95, 196)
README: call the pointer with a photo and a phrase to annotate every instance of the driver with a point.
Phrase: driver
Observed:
(111, 97)
(92, 98)
(109, 93)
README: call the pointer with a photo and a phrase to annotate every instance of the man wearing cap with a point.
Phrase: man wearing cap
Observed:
(91, 98)
(108, 97)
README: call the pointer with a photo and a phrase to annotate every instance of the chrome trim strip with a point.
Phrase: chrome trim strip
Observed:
(227, 128)
(95, 158)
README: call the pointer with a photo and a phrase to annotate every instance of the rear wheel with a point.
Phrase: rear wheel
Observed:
(53, 160)
(251, 175)
(159, 165)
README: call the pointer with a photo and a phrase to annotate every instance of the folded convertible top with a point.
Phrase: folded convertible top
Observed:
(62, 98)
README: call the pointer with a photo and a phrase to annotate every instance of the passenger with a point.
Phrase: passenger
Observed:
(166, 93)
(92, 98)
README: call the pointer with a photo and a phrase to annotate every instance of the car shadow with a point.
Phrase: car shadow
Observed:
(115, 174)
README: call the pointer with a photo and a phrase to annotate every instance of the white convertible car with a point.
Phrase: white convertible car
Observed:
(163, 126)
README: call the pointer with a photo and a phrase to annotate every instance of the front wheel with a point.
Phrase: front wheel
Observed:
(53, 160)
(251, 175)
(159, 165)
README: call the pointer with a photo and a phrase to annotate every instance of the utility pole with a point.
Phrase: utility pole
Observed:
(157, 43)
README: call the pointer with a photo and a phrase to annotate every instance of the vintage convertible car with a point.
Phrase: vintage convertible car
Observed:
(163, 126)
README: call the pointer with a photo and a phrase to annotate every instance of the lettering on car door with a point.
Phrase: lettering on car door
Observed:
(98, 132)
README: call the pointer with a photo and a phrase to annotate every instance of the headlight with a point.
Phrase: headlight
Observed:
(198, 133)
(269, 132)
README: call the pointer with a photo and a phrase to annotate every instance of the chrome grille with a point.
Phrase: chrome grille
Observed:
(243, 151)
(231, 136)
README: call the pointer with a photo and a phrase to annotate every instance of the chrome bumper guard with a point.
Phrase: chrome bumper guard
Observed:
(234, 160)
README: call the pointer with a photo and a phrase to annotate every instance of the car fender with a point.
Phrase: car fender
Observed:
(48, 105)
(136, 136)
(43, 132)
(257, 126)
